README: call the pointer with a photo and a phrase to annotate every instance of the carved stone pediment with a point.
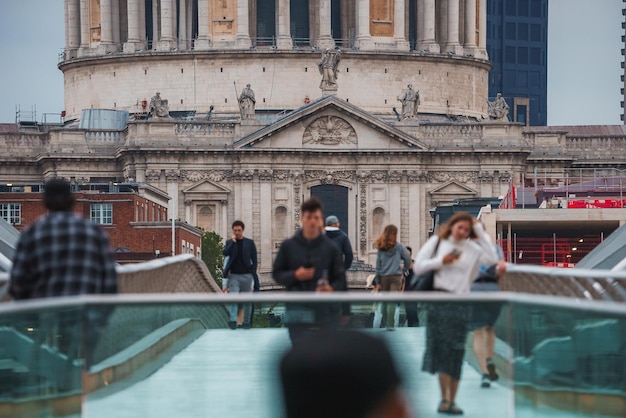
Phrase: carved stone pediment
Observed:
(331, 123)
(452, 190)
(206, 190)
(329, 130)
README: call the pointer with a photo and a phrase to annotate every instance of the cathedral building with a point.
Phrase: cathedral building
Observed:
(242, 109)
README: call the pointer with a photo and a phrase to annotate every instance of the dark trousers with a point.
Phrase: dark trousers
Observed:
(411, 314)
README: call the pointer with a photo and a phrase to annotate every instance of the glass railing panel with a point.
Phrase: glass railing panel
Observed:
(42, 357)
(568, 361)
(163, 356)
(188, 361)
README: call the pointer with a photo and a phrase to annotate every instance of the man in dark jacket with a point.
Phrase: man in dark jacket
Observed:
(240, 270)
(340, 239)
(343, 242)
(310, 262)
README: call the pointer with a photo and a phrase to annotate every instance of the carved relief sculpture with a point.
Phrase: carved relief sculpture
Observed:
(410, 100)
(159, 107)
(498, 110)
(363, 219)
(328, 65)
(329, 130)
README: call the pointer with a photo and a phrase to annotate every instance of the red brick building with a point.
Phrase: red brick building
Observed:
(134, 217)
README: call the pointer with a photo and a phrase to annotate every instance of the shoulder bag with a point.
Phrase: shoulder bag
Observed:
(425, 281)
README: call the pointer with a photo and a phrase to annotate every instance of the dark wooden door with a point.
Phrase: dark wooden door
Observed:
(335, 201)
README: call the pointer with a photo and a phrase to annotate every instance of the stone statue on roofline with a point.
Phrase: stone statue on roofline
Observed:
(410, 100)
(247, 103)
(498, 110)
(328, 67)
(159, 107)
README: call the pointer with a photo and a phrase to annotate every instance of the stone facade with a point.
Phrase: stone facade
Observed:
(281, 79)
(219, 170)
(193, 51)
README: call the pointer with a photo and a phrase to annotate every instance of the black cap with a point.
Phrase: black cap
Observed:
(337, 374)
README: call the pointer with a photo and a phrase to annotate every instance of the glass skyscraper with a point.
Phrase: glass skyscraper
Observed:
(517, 43)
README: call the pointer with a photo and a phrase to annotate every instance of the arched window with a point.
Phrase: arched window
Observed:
(206, 218)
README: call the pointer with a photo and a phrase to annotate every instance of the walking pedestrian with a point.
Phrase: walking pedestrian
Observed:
(310, 262)
(63, 254)
(484, 316)
(240, 270)
(455, 260)
(342, 241)
(391, 254)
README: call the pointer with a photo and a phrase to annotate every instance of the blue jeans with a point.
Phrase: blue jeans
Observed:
(240, 283)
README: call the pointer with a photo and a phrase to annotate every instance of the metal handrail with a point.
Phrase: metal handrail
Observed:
(589, 306)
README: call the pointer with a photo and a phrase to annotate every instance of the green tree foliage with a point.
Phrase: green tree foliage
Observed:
(212, 247)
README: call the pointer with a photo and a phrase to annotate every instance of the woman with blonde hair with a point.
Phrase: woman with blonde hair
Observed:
(391, 255)
(455, 260)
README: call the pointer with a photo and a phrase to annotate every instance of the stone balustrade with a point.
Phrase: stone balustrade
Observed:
(208, 129)
(103, 136)
(22, 144)
(596, 143)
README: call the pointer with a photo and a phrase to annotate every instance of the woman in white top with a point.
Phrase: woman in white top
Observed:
(456, 260)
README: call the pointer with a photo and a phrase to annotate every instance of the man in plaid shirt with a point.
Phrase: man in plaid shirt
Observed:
(62, 254)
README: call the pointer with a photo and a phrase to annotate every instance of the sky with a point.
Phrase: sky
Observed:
(584, 43)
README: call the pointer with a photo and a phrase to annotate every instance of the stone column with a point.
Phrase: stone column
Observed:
(133, 25)
(452, 44)
(482, 29)
(284, 25)
(363, 37)
(84, 24)
(325, 40)
(142, 24)
(419, 23)
(470, 27)
(243, 32)
(182, 25)
(73, 24)
(429, 42)
(115, 19)
(66, 15)
(399, 16)
(168, 9)
(204, 37)
(155, 25)
(106, 23)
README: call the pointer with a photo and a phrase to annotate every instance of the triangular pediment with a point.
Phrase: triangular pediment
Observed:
(206, 187)
(330, 123)
(453, 188)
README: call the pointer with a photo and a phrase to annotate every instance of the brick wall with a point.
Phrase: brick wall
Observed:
(139, 224)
